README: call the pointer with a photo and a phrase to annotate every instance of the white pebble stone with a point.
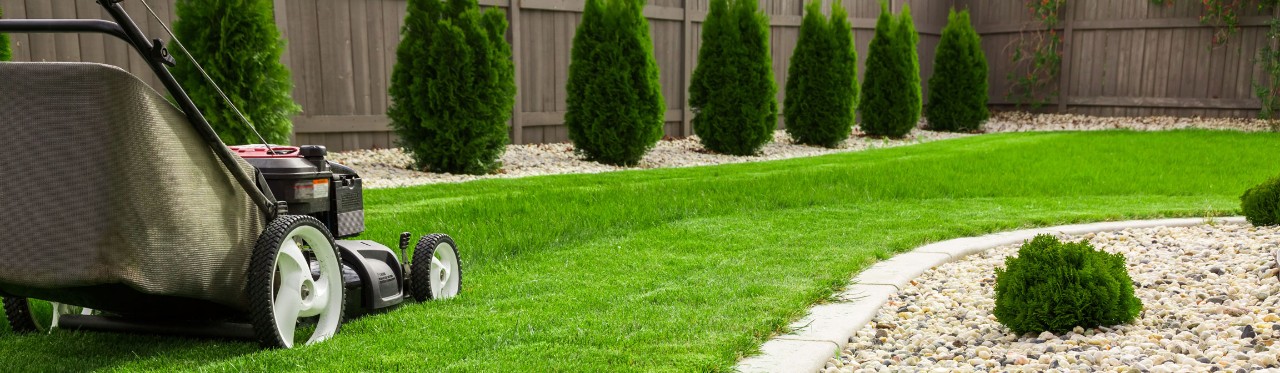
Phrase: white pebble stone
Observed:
(1178, 324)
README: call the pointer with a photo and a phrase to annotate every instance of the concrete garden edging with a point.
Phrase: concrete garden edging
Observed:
(825, 331)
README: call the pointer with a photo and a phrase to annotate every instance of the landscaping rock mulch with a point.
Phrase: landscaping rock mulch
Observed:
(386, 168)
(1210, 301)
(1024, 122)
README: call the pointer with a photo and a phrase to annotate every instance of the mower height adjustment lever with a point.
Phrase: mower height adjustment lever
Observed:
(405, 237)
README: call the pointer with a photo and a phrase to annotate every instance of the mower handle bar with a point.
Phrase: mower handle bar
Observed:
(158, 58)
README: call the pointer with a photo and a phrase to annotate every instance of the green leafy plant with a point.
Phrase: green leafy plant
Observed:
(1040, 52)
(5, 53)
(1224, 14)
(732, 93)
(238, 44)
(822, 82)
(1055, 286)
(1261, 204)
(453, 86)
(958, 87)
(1268, 88)
(906, 42)
(890, 106)
(615, 105)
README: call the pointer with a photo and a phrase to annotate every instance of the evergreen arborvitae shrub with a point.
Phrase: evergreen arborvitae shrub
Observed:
(822, 82)
(615, 105)
(5, 53)
(958, 87)
(905, 42)
(238, 44)
(732, 94)
(1261, 204)
(453, 86)
(1056, 286)
(887, 106)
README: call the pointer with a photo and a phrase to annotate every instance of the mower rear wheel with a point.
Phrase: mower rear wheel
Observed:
(27, 315)
(435, 272)
(295, 283)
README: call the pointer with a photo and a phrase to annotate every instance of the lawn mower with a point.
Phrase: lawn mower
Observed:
(125, 211)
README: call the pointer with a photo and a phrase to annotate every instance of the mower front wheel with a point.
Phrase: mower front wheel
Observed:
(27, 315)
(295, 283)
(435, 272)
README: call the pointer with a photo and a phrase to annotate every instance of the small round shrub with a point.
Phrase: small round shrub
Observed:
(1261, 204)
(1055, 286)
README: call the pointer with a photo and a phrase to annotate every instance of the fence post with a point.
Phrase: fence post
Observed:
(1064, 74)
(686, 117)
(517, 115)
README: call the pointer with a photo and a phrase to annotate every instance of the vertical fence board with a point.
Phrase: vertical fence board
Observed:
(360, 78)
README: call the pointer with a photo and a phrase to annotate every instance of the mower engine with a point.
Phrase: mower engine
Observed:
(331, 193)
(311, 185)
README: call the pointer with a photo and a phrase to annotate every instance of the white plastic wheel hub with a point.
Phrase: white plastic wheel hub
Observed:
(299, 294)
(59, 309)
(444, 271)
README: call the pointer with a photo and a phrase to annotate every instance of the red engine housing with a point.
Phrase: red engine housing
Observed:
(262, 151)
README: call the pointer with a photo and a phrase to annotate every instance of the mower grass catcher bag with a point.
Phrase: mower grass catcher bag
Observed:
(111, 199)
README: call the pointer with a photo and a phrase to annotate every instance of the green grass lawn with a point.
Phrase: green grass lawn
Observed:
(690, 269)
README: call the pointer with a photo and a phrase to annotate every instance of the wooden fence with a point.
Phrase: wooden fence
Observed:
(1123, 57)
(1132, 57)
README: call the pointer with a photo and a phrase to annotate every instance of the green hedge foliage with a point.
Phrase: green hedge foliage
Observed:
(453, 86)
(822, 82)
(732, 93)
(238, 44)
(5, 53)
(1055, 286)
(1261, 204)
(615, 105)
(905, 43)
(958, 87)
(890, 103)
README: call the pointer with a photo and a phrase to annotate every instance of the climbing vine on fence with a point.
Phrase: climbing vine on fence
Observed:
(1041, 52)
(1224, 15)
(1266, 88)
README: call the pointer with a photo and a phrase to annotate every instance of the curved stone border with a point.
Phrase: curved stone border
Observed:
(825, 331)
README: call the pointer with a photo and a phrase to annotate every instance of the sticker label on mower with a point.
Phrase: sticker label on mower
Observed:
(318, 188)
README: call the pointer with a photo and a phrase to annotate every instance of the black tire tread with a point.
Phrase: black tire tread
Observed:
(18, 312)
(261, 273)
(420, 267)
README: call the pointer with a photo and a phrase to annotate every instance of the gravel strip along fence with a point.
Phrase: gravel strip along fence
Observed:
(1210, 298)
(389, 168)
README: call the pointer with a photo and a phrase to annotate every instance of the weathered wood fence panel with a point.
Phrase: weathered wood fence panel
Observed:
(341, 53)
(1130, 58)
(1121, 57)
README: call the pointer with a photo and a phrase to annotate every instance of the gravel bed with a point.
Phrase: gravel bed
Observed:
(386, 168)
(1210, 296)
(1026, 122)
